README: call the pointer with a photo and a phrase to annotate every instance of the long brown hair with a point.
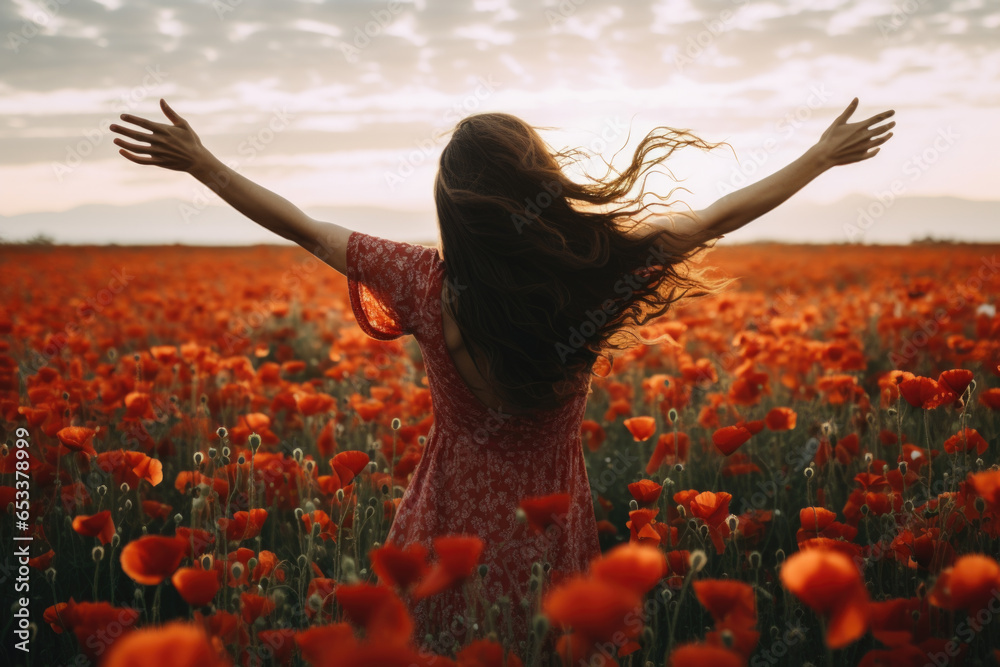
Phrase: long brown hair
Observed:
(543, 274)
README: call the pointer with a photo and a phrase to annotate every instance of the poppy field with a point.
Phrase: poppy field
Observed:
(202, 454)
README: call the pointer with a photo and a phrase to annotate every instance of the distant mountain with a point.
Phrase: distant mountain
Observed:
(853, 219)
(168, 221)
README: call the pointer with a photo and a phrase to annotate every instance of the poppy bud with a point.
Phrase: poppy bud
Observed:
(316, 529)
(236, 569)
(672, 415)
(298, 513)
(252, 564)
(50, 574)
(779, 555)
(633, 504)
(484, 570)
(396, 424)
(891, 412)
(125, 487)
(102, 489)
(697, 560)
(128, 504)
(116, 539)
(303, 560)
(97, 554)
(980, 505)
(212, 452)
(225, 451)
(865, 509)
(678, 467)
(869, 458)
(254, 441)
(340, 495)
(755, 559)
(808, 472)
(297, 454)
(369, 511)
(206, 562)
(681, 512)
(902, 467)
(241, 460)
(908, 506)
(733, 522)
(222, 432)
(198, 458)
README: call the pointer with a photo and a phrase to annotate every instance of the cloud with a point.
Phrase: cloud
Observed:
(376, 78)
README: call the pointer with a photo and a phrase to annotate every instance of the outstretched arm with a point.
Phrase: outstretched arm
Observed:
(841, 143)
(178, 148)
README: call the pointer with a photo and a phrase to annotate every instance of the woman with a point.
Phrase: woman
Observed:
(534, 278)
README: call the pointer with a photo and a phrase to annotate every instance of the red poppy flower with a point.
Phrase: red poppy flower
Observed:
(641, 428)
(97, 626)
(731, 603)
(253, 606)
(830, 584)
(987, 486)
(486, 653)
(197, 586)
(665, 446)
(780, 419)
(131, 467)
(926, 393)
(633, 566)
(596, 609)
(397, 567)
(703, 655)
(378, 610)
(956, 380)
(349, 464)
(545, 511)
(319, 644)
(645, 491)
(99, 525)
(729, 438)
(243, 525)
(457, 557)
(152, 558)
(78, 438)
(592, 434)
(970, 584)
(966, 440)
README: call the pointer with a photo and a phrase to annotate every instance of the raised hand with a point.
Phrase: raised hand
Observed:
(845, 143)
(174, 146)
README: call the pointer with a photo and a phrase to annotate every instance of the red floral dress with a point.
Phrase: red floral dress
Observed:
(477, 464)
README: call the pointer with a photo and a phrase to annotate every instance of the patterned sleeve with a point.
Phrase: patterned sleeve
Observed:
(388, 283)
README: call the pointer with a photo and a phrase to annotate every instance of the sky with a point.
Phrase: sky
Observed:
(347, 103)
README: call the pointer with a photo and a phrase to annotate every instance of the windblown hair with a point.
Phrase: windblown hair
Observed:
(543, 274)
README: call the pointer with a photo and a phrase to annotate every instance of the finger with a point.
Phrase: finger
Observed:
(171, 114)
(142, 122)
(135, 148)
(132, 134)
(137, 159)
(881, 128)
(881, 140)
(878, 118)
(842, 118)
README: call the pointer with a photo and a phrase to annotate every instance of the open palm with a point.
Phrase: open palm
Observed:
(845, 143)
